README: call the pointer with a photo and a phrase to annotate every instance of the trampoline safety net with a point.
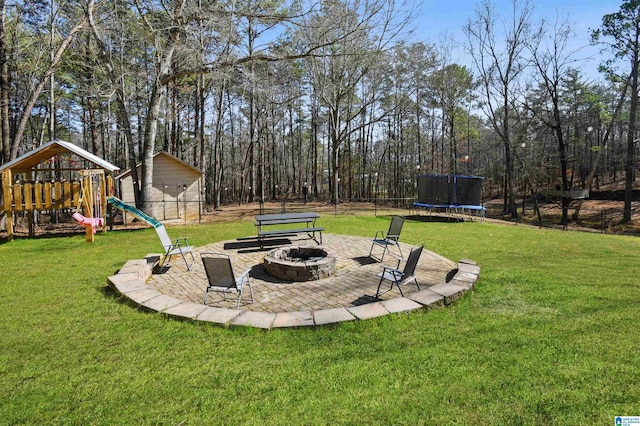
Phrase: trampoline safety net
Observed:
(450, 190)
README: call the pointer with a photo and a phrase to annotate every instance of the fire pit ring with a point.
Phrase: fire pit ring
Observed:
(299, 263)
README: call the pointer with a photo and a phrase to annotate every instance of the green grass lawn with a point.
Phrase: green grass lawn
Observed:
(549, 336)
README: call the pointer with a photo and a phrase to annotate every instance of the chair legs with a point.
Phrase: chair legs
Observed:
(378, 294)
(247, 283)
(386, 249)
(167, 259)
(250, 289)
(224, 296)
(240, 293)
(239, 299)
(193, 260)
(397, 283)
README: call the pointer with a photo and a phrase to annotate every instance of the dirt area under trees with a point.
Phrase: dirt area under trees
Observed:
(602, 213)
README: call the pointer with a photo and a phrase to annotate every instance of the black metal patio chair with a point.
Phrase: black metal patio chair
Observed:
(401, 277)
(391, 238)
(221, 278)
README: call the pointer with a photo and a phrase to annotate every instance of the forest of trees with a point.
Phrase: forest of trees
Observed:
(269, 96)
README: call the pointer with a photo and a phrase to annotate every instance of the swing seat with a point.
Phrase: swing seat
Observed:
(94, 222)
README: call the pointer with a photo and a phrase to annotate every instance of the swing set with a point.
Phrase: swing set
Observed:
(35, 182)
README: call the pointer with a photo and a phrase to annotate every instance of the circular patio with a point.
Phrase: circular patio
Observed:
(346, 295)
(353, 283)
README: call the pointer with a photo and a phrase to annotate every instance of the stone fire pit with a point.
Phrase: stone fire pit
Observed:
(299, 263)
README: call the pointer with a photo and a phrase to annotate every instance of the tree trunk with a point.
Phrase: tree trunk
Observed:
(631, 136)
(26, 113)
(5, 143)
(510, 202)
(217, 159)
(150, 132)
(603, 148)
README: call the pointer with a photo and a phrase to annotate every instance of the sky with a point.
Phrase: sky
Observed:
(444, 19)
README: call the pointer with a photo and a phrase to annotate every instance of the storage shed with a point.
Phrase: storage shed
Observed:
(177, 189)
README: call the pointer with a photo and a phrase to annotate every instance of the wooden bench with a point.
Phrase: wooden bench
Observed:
(309, 219)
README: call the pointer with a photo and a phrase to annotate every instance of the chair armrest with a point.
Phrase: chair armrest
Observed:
(177, 242)
(390, 269)
(243, 278)
(381, 233)
(388, 272)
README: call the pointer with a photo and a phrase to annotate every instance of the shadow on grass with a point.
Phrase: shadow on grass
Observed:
(42, 236)
(53, 233)
(434, 219)
(246, 245)
(111, 293)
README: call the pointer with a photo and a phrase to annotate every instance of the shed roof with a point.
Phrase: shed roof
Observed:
(166, 154)
(51, 149)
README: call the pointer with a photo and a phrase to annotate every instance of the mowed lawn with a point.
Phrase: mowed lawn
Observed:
(549, 336)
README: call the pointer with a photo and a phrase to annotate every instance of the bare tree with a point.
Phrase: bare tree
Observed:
(351, 37)
(57, 53)
(454, 84)
(623, 27)
(499, 60)
(553, 61)
(4, 85)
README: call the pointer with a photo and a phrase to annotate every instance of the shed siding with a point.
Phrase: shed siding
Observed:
(175, 193)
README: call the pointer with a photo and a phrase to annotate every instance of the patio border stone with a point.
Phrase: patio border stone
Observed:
(368, 311)
(450, 292)
(400, 304)
(254, 319)
(217, 315)
(186, 310)
(332, 316)
(161, 303)
(130, 282)
(427, 298)
(293, 319)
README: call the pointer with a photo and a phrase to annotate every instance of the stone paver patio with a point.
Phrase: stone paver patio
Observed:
(347, 295)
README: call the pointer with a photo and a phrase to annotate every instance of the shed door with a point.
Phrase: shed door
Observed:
(171, 201)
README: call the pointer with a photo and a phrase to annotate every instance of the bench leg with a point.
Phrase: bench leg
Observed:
(313, 236)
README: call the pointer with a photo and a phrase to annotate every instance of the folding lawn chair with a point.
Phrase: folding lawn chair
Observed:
(172, 247)
(221, 278)
(390, 238)
(398, 277)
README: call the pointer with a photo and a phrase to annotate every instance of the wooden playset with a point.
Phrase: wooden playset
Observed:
(57, 176)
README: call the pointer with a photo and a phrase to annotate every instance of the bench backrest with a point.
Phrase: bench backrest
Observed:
(285, 218)
(284, 221)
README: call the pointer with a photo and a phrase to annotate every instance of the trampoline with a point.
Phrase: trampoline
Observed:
(451, 193)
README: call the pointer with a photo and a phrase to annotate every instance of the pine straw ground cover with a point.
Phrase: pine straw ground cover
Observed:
(549, 336)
